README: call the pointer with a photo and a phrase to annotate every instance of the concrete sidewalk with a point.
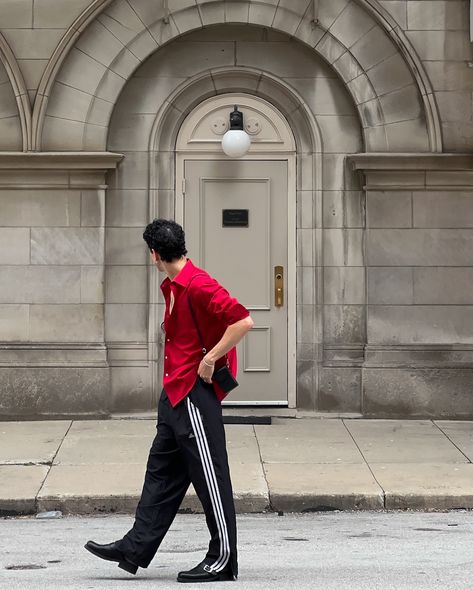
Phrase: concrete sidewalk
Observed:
(86, 466)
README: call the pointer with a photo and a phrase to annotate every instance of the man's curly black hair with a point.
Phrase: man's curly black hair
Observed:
(167, 238)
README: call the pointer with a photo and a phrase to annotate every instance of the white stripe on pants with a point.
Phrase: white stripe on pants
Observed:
(211, 479)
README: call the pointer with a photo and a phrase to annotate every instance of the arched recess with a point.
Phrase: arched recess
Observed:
(147, 176)
(15, 121)
(92, 76)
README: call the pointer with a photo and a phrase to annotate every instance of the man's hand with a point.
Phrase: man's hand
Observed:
(206, 370)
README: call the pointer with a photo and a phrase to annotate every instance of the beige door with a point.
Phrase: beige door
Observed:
(235, 217)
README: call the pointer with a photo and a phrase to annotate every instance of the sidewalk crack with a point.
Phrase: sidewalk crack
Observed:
(383, 491)
(262, 469)
(50, 466)
(453, 443)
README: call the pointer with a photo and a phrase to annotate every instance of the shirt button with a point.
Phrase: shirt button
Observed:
(166, 357)
(169, 339)
(167, 374)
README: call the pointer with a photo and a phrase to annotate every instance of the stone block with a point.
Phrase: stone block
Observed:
(449, 286)
(67, 245)
(399, 75)
(125, 246)
(286, 60)
(133, 132)
(305, 285)
(443, 209)
(305, 247)
(16, 14)
(126, 208)
(419, 247)
(449, 75)
(126, 284)
(343, 247)
(62, 134)
(66, 323)
(343, 209)
(46, 13)
(440, 45)
(389, 209)
(92, 284)
(14, 322)
(415, 132)
(306, 323)
(362, 91)
(397, 9)
(373, 47)
(132, 172)
(440, 15)
(27, 43)
(344, 324)
(126, 322)
(69, 103)
(339, 389)
(401, 105)
(8, 106)
(92, 208)
(10, 134)
(53, 391)
(33, 284)
(305, 385)
(430, 324)
(344, 285)
(352, 24)
(391, 285)
(14, 245)
(39, 207)
(422, 393)
(324, 96)
(347, 67)
(340, 133)
(131, 389)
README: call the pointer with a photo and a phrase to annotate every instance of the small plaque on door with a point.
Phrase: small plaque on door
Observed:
(235, 217)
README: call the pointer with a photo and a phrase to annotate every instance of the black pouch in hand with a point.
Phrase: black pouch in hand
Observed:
(225, 379)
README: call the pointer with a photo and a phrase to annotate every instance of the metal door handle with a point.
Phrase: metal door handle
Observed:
(278, 286)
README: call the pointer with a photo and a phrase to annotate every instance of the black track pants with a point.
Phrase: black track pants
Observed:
(189, 447)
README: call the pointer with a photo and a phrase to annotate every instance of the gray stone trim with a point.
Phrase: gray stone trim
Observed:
(411, 161)
(59, 160)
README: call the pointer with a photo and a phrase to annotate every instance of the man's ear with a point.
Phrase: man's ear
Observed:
(154, 255)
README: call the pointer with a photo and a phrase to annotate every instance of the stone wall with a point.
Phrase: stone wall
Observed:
(383, 242)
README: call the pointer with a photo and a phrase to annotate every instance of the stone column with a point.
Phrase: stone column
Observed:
(418, 254)
(53, 359)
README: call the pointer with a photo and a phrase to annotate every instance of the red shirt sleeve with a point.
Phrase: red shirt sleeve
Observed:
(218, 302)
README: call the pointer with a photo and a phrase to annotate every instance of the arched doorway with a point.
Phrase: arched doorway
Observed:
(240, 222)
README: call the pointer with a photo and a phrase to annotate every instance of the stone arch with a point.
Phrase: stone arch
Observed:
(121, 38)
(15, 113)
(144, 127)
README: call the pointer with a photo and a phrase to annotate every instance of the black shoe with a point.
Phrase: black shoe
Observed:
(202, 573)
(110, 552)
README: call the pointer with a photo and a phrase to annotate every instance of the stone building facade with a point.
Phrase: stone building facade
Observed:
(105, 107)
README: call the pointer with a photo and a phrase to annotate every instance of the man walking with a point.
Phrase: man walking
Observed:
(202, 325)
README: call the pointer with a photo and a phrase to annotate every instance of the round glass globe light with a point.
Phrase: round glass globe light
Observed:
(235, 143)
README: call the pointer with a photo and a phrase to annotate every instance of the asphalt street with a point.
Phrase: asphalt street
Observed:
(329, 550)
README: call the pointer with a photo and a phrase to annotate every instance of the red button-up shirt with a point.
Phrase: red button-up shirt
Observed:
(214, 310)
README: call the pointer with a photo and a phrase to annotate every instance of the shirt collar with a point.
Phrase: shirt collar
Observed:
(183, 277)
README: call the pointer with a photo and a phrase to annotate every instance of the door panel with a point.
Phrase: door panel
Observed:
(241, 249)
